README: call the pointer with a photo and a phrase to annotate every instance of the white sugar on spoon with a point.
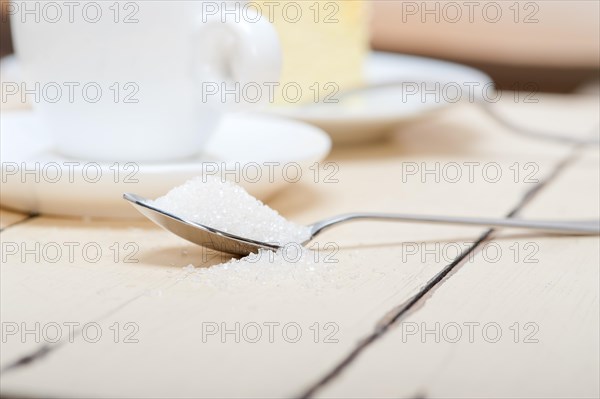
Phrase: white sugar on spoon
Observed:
(227, 207)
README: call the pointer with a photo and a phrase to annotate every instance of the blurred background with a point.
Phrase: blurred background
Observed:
(557, 46)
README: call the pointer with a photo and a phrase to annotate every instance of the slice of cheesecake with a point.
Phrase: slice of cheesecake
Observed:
(325, 44)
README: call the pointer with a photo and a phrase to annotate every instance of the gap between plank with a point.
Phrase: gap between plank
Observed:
(43, 350)
(401, 311)
(381, 328)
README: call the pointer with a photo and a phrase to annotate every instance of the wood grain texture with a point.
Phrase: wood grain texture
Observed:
(375, 273)
(539, 293)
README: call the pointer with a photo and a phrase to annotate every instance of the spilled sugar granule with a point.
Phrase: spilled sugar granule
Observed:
(289, 268)
(228, 207)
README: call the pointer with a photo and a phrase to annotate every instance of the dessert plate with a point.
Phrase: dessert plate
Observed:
(388, 98)
(261, 153)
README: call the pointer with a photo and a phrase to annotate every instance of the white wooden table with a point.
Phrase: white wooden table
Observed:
(401, 314)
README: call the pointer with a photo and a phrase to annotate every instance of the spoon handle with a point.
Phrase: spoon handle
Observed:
(587, 227)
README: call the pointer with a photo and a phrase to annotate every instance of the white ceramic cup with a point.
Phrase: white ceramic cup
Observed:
(129, 75)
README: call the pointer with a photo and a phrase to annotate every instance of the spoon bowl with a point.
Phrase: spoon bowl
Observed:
(195, 232)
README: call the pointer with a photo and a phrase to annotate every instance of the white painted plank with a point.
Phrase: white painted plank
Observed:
(374, 274)
(552, 283)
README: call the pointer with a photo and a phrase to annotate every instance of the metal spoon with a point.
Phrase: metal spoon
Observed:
(225, 242)
(487, 106)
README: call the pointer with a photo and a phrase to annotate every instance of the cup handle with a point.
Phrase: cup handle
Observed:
(245, 51)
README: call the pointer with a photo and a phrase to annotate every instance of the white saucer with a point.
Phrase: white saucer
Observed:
(368, 114)
(245, 144)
